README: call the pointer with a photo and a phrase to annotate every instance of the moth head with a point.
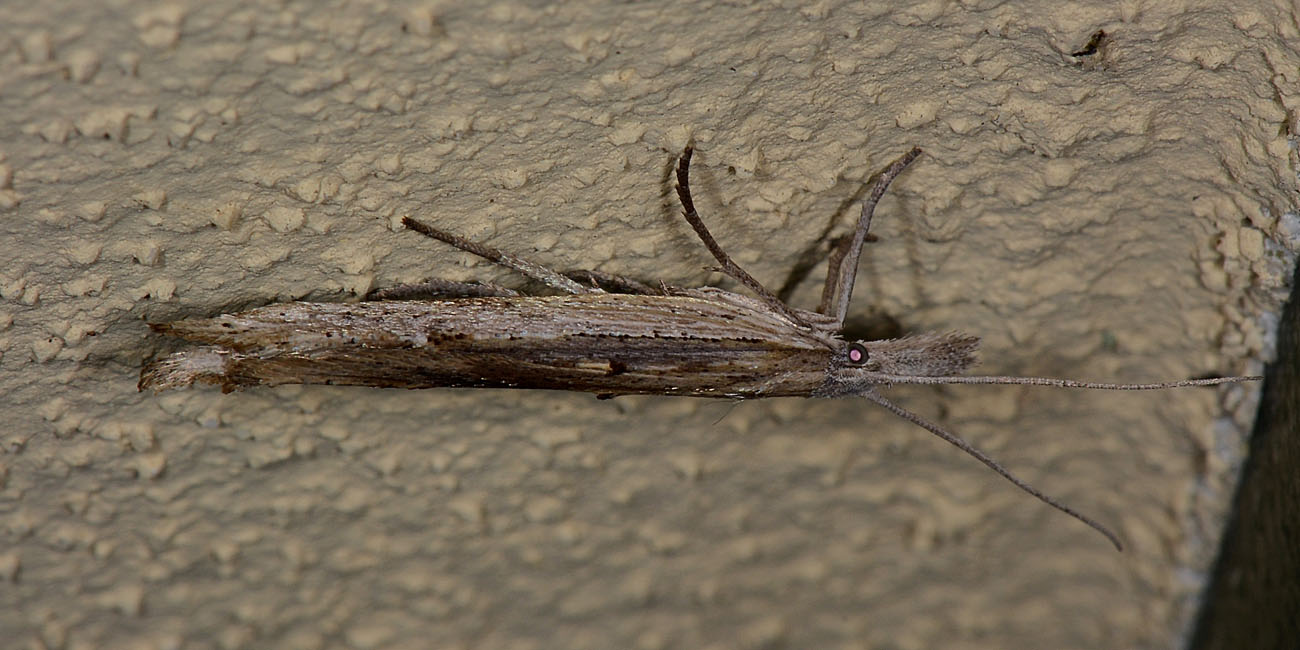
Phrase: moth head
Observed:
(893, 360)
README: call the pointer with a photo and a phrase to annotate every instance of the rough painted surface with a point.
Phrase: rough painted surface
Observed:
(1126, 215)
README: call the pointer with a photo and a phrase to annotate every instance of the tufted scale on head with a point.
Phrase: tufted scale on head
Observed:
(925, 355)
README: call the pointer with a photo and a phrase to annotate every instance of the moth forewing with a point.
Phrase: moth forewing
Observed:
(703, 344)
(606, 334)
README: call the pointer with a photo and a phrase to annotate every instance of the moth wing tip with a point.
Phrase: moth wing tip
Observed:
(181, 369)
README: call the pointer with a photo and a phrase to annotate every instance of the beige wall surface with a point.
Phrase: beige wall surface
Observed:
(1127, 214)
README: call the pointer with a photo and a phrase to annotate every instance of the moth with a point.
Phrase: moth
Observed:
(602, 333)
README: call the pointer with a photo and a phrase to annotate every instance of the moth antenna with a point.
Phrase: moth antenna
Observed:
(961, 444)
(843, 268)
(728, 266)
(1061, 383)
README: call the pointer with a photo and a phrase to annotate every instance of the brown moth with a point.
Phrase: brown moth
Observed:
(605, 334)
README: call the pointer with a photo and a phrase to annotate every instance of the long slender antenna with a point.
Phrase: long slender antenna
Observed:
(1060, 383)
(957, 442)
(728, 266)
(844, 267)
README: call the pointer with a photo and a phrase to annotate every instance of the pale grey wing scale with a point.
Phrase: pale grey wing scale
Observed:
(404, 324)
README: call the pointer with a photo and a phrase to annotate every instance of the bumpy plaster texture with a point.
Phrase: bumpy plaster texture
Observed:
(1127, 214)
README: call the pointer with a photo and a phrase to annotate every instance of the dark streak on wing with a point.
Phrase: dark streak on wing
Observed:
(632, 344)
(707, 369)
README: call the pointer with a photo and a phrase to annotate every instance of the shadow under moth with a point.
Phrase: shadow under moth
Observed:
(603, 334)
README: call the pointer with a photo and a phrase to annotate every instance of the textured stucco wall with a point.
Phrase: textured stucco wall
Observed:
(1128, 216)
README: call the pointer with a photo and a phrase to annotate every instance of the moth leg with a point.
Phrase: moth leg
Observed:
(433, 289)
(839, 248)
(533, 270)
(614, 283)
(844, 257)
(728, 266)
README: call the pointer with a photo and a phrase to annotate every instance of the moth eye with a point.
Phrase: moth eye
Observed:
(857, 353)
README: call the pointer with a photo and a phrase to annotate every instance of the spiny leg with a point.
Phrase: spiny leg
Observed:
(614, 283)
(531, 269)
(839, 248)
(729, 267)
(844, 262)
(815, 255)
(434, 289)
(993, 465)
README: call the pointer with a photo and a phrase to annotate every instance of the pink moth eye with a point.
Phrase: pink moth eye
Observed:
(857, 353)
